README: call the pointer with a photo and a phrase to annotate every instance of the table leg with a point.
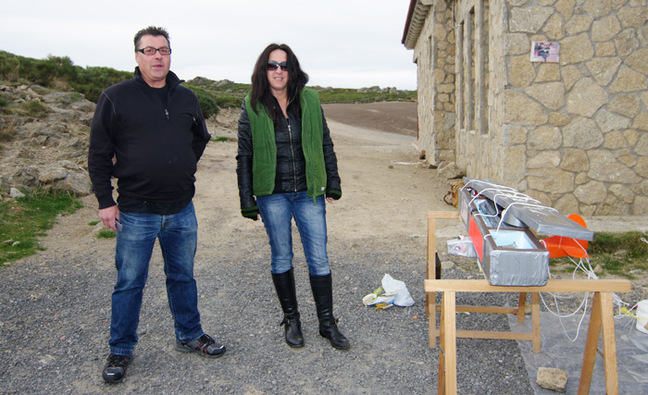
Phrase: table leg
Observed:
(448, 340)
(589, 355)
(609, 344)
(432, 320)
(430, 297)
(535, 320)
(442, 368)
(431, 264)
(521, 307)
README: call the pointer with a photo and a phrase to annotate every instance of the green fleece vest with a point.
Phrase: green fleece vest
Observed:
(264, 159)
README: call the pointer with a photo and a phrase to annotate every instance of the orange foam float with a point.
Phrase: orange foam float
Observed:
(559, 246)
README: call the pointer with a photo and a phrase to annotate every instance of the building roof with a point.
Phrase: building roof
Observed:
(418, 12)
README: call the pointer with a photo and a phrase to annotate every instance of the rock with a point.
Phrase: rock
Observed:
(48, 152)
(450, 171)
(552, 379)
(15, 193)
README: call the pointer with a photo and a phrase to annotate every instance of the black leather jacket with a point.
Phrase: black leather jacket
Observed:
(291, 166)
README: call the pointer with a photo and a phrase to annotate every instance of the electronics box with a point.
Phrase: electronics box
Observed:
(508, 255)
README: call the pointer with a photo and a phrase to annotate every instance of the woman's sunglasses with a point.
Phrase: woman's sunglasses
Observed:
(272, 65)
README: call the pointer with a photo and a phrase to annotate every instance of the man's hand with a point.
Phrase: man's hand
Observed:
(108, 216)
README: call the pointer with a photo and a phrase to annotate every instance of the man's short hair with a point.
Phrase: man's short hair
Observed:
(153, 31)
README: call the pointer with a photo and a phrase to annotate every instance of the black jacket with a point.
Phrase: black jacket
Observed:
(156, 147)
(291, 165)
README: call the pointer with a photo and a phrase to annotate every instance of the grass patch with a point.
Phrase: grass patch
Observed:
(106, 234)
(33, 108)
(25, 219)
(618, 254)
(222, 139)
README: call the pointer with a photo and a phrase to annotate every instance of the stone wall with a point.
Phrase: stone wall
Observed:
(435, 57)
(573, 134)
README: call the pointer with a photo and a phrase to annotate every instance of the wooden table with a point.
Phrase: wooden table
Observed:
(601, 317)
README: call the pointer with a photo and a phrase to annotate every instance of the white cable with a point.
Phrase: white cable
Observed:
(521, 199)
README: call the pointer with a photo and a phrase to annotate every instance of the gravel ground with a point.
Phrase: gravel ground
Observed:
(55, 306)
(55, 320)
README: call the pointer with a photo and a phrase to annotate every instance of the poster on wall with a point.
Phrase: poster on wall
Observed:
(545, 51)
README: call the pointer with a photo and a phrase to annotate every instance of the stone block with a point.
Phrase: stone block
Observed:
(522, 110)
(529, 19)
(628, 80)
(575, 160)
(637, 61)
(586, 97)
(606, 28)
(626, 105)
(551, 94)
(605, 167)
(603, 69)
(551, 180)
(544, 138)
(608, 121)
(552, 379)
(576, 49)
(593, 192)
(522, 72)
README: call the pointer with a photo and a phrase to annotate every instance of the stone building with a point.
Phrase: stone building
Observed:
(546, 96)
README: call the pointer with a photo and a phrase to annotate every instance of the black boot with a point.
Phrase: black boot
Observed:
(285, 285)
(323, 295)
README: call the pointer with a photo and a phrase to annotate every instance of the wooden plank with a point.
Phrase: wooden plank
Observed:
(553, 285)
(535, 321)
(478, 334)
(484, 309)
(443, 214)
(430, 298)
(609, 344)
(589, 355)
(449, 337)
(521, 307)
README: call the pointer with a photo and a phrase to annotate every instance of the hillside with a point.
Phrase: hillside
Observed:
(46, 106)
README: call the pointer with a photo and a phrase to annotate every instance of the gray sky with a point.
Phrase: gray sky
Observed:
(339, 43)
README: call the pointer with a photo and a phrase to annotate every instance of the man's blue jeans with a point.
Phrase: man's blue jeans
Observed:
(177, 234)
(277, 211)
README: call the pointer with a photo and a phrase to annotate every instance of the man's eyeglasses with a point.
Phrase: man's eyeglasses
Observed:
(272, 65)
(150, 51)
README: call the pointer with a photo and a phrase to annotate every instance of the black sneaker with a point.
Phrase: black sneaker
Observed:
(115, 368)
(205, 346)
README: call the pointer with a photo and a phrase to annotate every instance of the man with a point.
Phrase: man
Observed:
(149, 133)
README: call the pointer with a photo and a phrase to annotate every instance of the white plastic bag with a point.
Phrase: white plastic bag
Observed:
(398, 289)
(462, 246)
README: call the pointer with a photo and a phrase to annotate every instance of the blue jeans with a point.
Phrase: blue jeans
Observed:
(277, 211)
(177, 234)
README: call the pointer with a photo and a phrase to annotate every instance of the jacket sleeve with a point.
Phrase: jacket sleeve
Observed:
(244, 161)
(333, 183)
(201, 135)
(102, 149)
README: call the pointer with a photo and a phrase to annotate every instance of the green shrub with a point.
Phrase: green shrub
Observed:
(61, 73)
(34, 108)
(207, 102)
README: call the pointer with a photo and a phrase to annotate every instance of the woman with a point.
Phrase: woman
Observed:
(287, 169)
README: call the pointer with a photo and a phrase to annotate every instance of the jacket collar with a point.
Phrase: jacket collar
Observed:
(172, 79)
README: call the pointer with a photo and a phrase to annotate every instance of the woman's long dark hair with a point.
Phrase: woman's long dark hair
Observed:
(297, 78)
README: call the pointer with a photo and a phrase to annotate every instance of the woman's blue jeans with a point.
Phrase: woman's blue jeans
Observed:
(277, 211)
(177, 235)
